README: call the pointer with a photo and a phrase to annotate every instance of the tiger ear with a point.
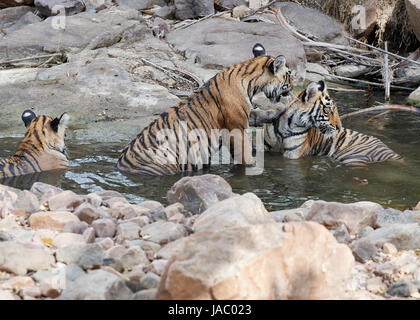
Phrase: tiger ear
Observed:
(322, 85)
(277, 64)
(258, 50)
(311, 92)
(27, 117)
(60, 123)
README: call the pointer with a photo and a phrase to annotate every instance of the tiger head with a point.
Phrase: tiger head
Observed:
(275, 79)
(45, 134)
(322, 111)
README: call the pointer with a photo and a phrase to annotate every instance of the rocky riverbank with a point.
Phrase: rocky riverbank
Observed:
(207, 243)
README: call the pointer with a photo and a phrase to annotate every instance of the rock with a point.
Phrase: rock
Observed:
(75, 227)
(236, 211)
(84, 255)
(206, 40)
(97, 285)
(221, 265)
(174, 209)
(402, 236)
(136, 273)
(350, 70)
(149, 281)
(158, 266)
(27, 201)
(414, 97)
(364, 232)
(34, 292)
(106, 243)
(94, 200)
(187, 9)
(341, 234)
(54, 7)
(104, 228)
(311, 68)
(20, 258)
(13, 3)
(178, 218)
(288, 215)
(140, 221)
(166, 12)
(9, 223)
(89, 235)
(375, 285)
(65, 201)
(44, 191)
(51, 220)
(390, 216)
(63, 239)
(365, 28)
(171, 249)
(7, 295)
(153, 206)
(127, 231)
(198, 193)
(413, 11)
(231, 4)
(312, 22)
(17, 283)
(148, 294)
(129, 257)
(363, 250)
(162, 232)
(389, 248)
(87, 212)
(404, 289)
(10, 15)
(140, 4)
(149, 247)
(355, 216)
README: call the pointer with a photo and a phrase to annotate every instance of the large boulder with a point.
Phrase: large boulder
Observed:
(297, 260)
(413, 10)
(14, 3)
(221, 42)
(355, 216)
(189, 9)
(312, 22)
(198, 193)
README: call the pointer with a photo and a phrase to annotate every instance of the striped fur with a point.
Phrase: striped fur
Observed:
(41, 149)
(310, 125)
(224, 102)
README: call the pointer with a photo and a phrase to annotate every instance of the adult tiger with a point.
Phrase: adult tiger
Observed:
(41, 149)
(310, 125)
(223, 103)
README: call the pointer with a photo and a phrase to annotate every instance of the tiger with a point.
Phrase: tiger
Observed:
(41, 149)
(310, 125)
(222, 103)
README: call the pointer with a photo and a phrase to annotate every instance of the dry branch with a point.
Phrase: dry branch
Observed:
(390, 107)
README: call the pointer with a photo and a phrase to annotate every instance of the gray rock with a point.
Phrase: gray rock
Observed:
(65, 201)
(221, 42)
(127, 231)
(403, 236)
(149, 281)
(94, 199)
(27, 18)
(75, 227)
(413, 11)
(288, 215)
(70, 272)
(341, 234)
(364, 232)
(198, 193)
(363, 250)
(390, 216)
(414, 97)
(189, 9)
(44, 191)
(9, 16)
(104, 228)
(312, 22)
(19, 258)
(350, 70)
(162, 232)
(87, 212)
(12, 3)
(230, 4)
(89, 235)
(311, 72)
(54, 7)
(86, 256)
(148, 294)
(140, 4)
(404, 289)
(27, 201)
(129, 257)
(97, 285)
(165, 12)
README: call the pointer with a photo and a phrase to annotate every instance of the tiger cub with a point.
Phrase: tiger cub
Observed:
(310, 125)
(41, 149)
(224, 102)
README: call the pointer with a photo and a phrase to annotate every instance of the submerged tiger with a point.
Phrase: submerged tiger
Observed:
(310, 125)
(224, 102)
(41, 149)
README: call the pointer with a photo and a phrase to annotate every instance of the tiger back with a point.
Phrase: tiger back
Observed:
(311, 125)
(41, 149)
(224, 102)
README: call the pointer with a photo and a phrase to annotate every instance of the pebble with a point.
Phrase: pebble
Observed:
(389, 248)
(149, 281)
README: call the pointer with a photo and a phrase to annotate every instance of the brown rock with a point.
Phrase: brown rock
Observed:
(389, 248)
(17, 283)
(127, 231)
(355, 216)
(129, 257)
(297, 260)
(236, 211)
(66, 200)
(174, 209)
(413, 10)
(63, 239)
(375, 285)
(44, 191)
(198, 193)
(51, 220)
(87, 212)
(104, 228)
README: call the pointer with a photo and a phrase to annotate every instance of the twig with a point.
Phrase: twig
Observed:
(169, 73)
(378, 115)
(383, 51)
(192, 75)
(213, 15)
(30, 58)
(387, 81)
(358, 80)
(346, 90)
(391, 107)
